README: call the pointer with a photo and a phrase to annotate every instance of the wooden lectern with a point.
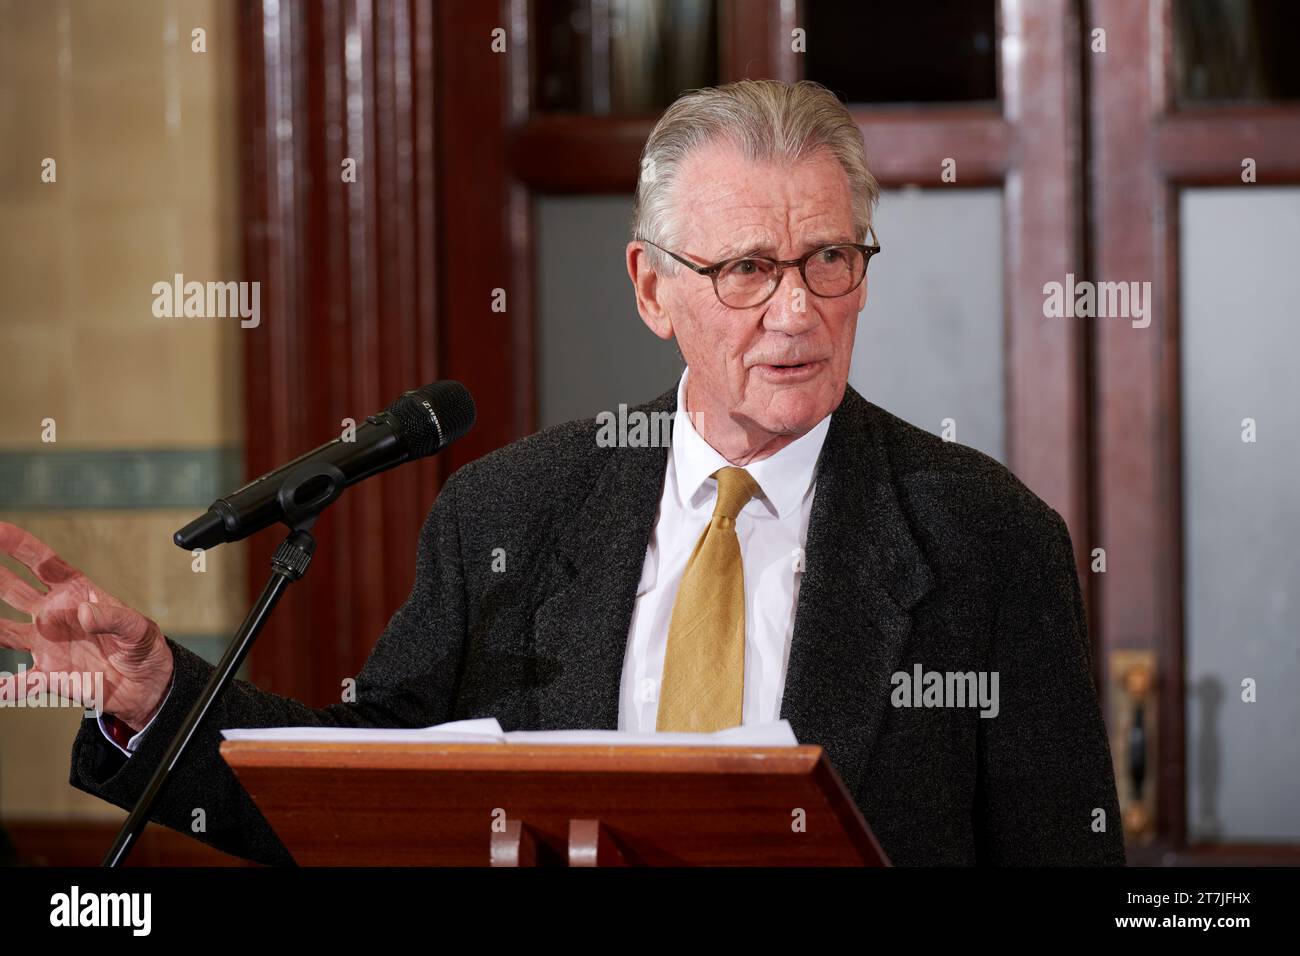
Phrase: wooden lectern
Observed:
(389, 804)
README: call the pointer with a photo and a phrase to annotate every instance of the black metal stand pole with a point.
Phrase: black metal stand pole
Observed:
(288, 565)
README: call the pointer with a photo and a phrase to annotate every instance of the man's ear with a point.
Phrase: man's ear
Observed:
(645, 281)
(862, 295)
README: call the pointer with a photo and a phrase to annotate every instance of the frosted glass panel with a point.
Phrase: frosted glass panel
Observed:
(1239, 289)
(929, 343)
(594, 352)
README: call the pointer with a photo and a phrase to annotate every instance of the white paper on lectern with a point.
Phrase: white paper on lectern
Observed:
(774, 734)
(486, 730)
(482, 730)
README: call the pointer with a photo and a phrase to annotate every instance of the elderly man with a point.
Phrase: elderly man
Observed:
(795, 552)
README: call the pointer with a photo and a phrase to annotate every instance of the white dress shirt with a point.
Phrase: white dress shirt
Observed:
(134, 742)
(772, 529)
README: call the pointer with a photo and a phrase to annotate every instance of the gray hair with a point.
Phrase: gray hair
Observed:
(769, 121)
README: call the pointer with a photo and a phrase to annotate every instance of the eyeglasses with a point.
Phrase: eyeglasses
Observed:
(747, 281)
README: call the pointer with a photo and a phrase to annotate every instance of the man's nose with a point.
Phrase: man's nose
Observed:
(790, 309)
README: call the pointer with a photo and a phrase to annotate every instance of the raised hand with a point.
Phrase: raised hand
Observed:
(78, 627)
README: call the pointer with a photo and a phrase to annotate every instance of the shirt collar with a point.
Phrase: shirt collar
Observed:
(785, 478)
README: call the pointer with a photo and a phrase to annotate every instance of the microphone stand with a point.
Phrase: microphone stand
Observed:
(288, 565)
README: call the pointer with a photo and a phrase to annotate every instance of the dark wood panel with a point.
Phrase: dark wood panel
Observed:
(483, 216)
(908, 147)
(348, 271)
(578, 154)
(1046, 389)
(1138, 445)
(1206, 147)
(601, 154)
(755, 40)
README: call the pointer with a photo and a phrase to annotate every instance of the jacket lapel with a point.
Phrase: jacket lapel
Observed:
(863, 572)
(580, 629)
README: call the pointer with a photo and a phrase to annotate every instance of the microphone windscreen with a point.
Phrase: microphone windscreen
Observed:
(432, 417)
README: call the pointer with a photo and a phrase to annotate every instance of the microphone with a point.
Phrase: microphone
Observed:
(421, 422)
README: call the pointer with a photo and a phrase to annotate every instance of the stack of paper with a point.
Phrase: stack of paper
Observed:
(486, 730)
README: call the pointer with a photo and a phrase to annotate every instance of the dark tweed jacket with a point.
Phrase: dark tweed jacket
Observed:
(919, 551)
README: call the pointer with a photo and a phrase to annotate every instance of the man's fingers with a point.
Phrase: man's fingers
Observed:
(111, 619)
(39, 557)
(17, 593)
(14, 635)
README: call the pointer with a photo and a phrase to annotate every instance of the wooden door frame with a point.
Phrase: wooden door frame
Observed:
(1145, 152)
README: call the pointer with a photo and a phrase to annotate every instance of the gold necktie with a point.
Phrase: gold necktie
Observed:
(704, 667)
